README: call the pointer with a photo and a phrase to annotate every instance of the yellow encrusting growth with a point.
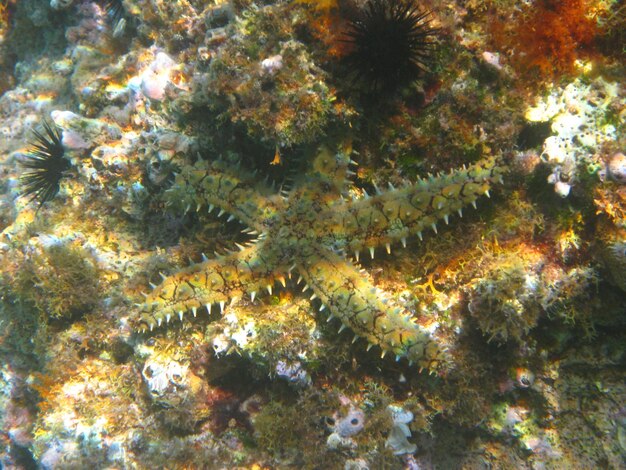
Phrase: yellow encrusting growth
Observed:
(307, 230)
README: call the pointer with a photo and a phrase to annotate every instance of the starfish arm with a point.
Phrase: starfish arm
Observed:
(395, 214)
(210, 185)
(219, 280)
(362, 307)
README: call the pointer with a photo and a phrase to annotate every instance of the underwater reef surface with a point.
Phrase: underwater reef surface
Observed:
(332, 234)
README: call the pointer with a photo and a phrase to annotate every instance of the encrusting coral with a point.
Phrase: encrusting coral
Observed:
(308, 229)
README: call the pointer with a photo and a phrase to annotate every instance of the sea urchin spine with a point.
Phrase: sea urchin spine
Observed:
(45, 165)
(115, 11)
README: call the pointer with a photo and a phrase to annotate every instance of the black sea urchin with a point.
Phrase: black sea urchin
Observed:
(115, 11)
(44, 164)
(391, 44)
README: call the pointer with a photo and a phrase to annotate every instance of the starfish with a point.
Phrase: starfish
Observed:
(310, 229)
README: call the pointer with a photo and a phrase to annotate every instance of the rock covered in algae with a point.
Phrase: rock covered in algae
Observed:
(58, 277)
(266, 79)
(517, 288)
(610, 202)
(507, 302)
(180, 395)
(196, 83)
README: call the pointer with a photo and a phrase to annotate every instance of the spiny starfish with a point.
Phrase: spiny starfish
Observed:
(309, 229)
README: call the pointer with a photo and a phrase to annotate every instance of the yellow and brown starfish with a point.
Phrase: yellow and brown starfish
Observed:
(309, 229)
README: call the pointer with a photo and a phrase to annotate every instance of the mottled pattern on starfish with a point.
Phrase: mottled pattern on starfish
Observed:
(309, 229)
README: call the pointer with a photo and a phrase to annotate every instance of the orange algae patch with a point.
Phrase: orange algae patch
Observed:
(549, 37)
(44, 385)
(611, 201)
(320, 5)
(328, 25)
(5, 12)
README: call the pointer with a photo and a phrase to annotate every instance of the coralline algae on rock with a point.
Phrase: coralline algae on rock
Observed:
(156, 78)
(81, 133)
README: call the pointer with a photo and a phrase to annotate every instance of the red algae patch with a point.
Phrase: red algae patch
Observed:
(547, 36)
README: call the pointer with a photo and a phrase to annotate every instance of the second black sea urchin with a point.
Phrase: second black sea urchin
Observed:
(45, 165)
(391, 44)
